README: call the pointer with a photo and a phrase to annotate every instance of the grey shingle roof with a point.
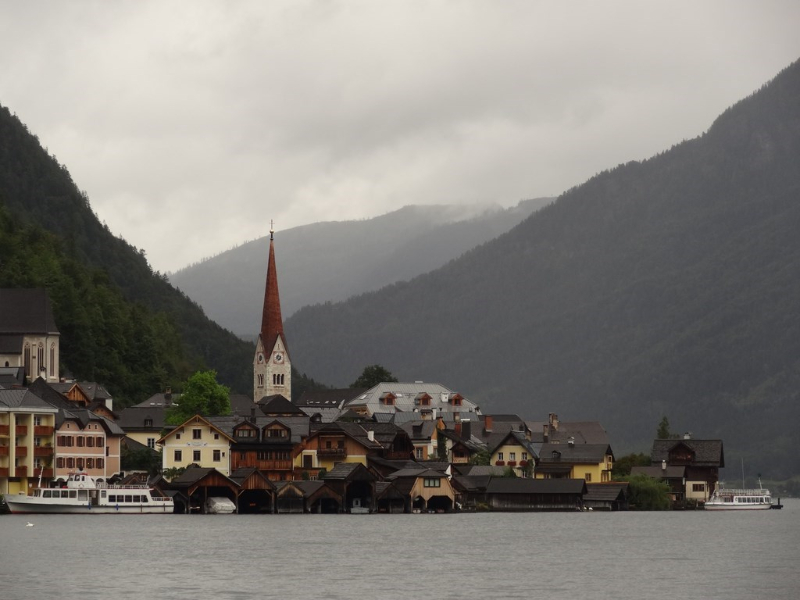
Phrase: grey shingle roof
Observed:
(405, 395)
(708, 453)
(24, 399)
(571, 454)
(516, 485)
(605, 492)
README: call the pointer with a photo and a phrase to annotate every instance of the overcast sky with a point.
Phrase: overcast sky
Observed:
(192, 124)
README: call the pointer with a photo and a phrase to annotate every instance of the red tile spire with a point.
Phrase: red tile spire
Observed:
(271, 321)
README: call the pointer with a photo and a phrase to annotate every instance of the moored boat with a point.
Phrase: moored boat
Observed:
(739, 499)
(83, 495)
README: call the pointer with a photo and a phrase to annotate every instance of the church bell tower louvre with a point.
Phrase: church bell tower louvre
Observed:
(272, 367)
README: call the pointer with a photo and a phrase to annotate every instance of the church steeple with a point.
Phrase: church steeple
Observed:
(271, 321)
(272, 368)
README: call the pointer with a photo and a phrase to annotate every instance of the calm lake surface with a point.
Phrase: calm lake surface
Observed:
(528, 555)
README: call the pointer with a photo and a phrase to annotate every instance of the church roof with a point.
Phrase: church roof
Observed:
(271, 321)
(26, 311)
(279, 406)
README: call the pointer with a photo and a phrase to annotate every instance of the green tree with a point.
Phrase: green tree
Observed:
(201, 395)
(372, 376)
(663, 433)
(647, 493)
(481, 457)
(624, 464)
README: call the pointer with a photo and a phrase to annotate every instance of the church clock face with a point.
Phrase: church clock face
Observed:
(260, 358)
(278, 357)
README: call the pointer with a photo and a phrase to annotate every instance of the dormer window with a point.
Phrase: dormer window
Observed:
(148, 422)
(456, 399)
(387, 399)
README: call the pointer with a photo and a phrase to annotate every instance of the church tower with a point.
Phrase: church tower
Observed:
(272, 368)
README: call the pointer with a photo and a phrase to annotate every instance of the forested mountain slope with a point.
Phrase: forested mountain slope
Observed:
(43, 204)
(365, 255)
(663, 287)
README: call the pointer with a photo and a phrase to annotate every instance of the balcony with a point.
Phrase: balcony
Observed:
(3, 471)
(4, 429)
(332, 452)
(3, 450)
(20, 471)
(42, 430)
(42, 451)
(21, 430)
(21, 451)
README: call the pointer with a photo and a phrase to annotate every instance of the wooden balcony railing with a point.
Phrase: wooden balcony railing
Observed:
(4, 429)
(42, 451)
(3, 471)
(21, 451)
(22, 430)
(20, 471)
(3, 450)
(42, 430)
(335, 452)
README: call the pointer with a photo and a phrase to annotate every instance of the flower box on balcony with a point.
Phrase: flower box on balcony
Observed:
(512, 463)
(523, 463)
(500, 463)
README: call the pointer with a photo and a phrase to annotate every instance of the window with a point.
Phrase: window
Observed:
(80, 441)
(277, 379)
(512, 456)
(217, 455)
(151, 442)
(148, 422)
(37, 442)
(432, 482)
(79, 464)
(177, 436)
(500, 456)
(52, 360)
(178, 456)
(100, 463)
(90, 442)
(60, 462)
(698, 487)
(196, 455)
(216, 436)
(418, 453)
(70, 463)
(524, 456)
(260, 380)
(37, 420)
(197, 434)
(90, 463)
(587, 477)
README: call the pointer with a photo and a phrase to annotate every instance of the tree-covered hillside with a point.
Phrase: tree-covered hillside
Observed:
(662, 287)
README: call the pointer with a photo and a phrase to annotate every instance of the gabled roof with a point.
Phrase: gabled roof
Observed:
(26, 311)
(707, 453)
(590, 454)
(349, 472)
(11, 376)
(277, 405)
(657, 472)
(299, 425)
(606, 492)
(135, 418)
(195, 420)
(352, 430)
(518, 438)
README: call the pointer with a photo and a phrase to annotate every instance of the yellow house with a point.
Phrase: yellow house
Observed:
(199, 442)
(515, 451)
(27, 425)
(591, 462)
(335, 443)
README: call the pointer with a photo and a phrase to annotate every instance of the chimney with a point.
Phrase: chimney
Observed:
(487, 423)
(466, 430)
(687, 435)
(663, 465)
(458, 428)
(252, 414)
(571, 441)
(371, 435)
(546, 433)
(168, 396)
(553, 418)
(456, 417)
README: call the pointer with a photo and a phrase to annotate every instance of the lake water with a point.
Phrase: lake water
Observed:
(526, 555)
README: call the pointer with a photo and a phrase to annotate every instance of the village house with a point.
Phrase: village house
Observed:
(29, 337)
(590, 462)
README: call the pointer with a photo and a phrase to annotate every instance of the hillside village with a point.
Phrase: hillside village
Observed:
(395, 447)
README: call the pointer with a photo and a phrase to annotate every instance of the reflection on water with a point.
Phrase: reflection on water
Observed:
(525, 555)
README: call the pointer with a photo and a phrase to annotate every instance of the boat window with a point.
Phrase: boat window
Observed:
(65, 493)
(72, 494)
(112, 498)
(47, 493)
(102, 493)
(145, 499)
(128, 498)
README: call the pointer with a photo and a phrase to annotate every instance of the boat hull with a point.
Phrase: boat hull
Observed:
(31, 505)
(729, 506)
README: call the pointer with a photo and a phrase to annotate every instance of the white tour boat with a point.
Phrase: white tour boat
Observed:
(739, 499)
(83, 495)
